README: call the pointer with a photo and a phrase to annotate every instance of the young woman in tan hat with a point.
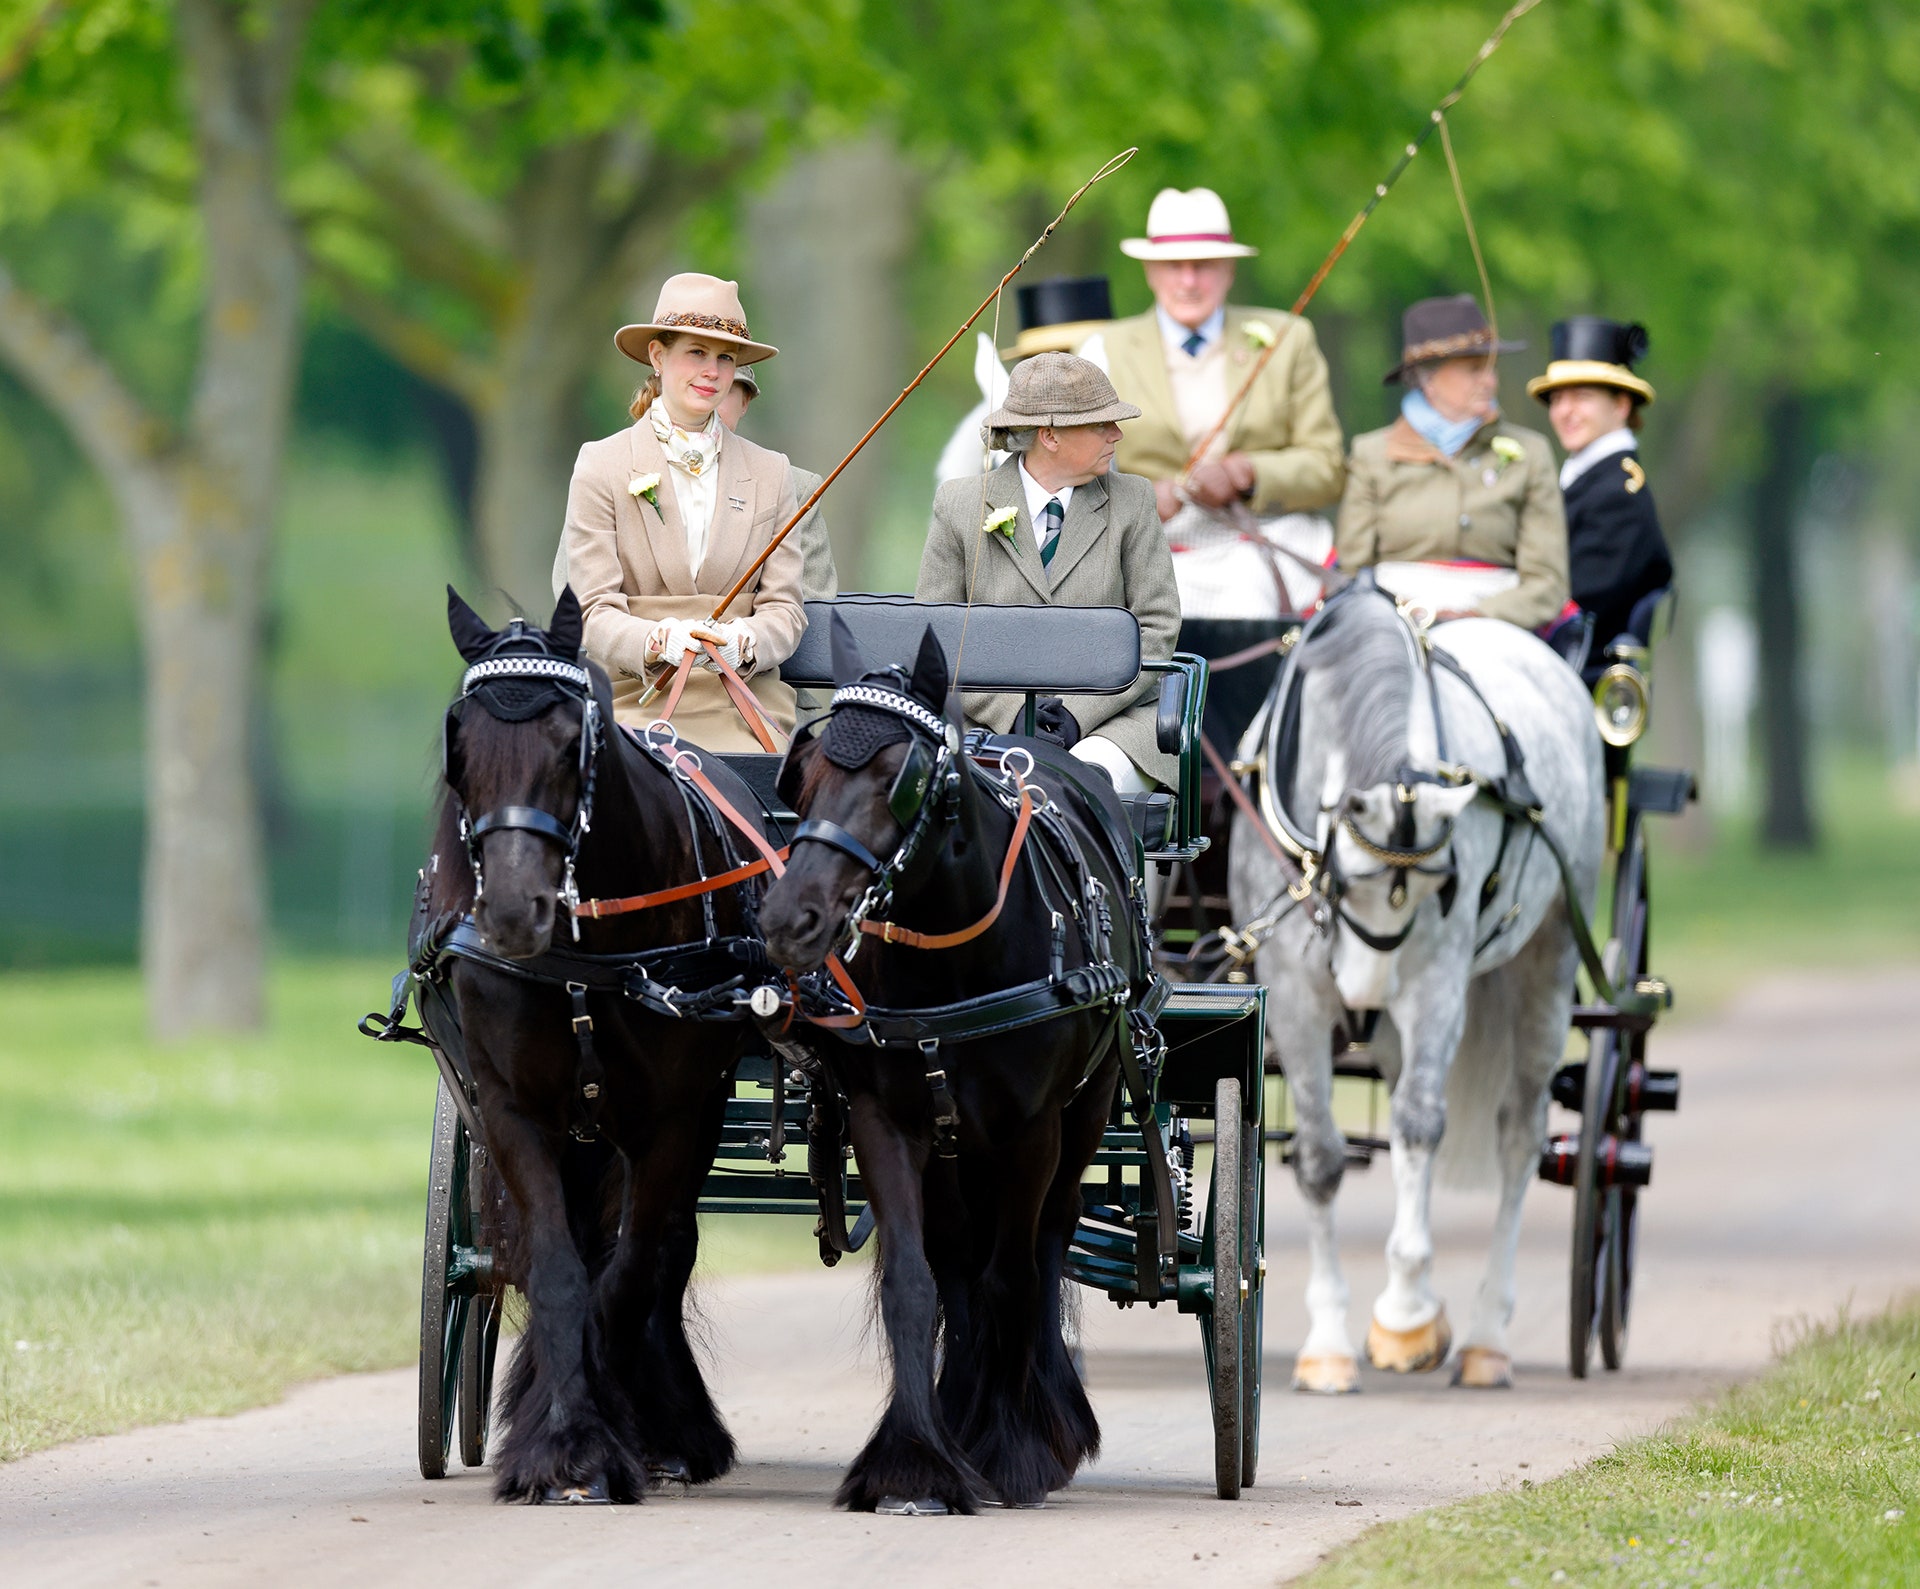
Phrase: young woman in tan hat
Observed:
(1053, 526)
(1459, 510)
(665, 515)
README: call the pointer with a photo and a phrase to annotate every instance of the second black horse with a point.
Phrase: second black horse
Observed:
(999, 989)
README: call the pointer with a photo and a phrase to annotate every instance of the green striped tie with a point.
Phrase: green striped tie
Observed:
(1051, 517)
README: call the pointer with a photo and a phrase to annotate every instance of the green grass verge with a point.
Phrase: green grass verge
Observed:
(193, 1229)
(1808, 1475)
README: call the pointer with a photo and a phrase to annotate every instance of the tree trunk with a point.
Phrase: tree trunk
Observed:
(828, 246)
(1787, 819)
(197, 511)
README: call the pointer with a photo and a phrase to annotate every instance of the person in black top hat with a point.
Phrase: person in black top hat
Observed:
(1059, 314)
(1616, 553)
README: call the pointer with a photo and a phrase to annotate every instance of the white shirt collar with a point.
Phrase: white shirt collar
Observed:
(1175, 334)
(1038, 496)
(1621, 440)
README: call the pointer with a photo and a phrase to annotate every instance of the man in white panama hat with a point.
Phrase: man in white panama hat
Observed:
(1280, 456)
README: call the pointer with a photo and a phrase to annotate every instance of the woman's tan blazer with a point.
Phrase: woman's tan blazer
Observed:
(1407, 502)
(627, 561)
(1112, 553)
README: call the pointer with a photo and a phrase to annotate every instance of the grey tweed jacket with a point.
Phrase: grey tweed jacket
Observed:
(1112, 553)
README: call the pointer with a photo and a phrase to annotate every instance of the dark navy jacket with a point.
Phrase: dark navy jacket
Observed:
(1616, 553)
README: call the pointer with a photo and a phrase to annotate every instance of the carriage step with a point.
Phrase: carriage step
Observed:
(1621, 1161)
(1648, 1091)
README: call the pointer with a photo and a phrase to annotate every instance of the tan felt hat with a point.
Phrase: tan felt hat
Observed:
(1058, 389)
(1190, 225)
(691, 302)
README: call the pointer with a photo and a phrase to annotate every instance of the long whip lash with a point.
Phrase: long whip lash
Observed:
(1435, 118)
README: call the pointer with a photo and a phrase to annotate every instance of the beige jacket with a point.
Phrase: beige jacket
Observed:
(1286, 425)
(628, 564)
(1112, 554)
(1406, 502)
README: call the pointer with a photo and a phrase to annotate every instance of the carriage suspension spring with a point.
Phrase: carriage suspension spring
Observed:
(1180, 1167)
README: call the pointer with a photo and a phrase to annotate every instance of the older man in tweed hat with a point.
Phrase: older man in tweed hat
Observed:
(1054, 526)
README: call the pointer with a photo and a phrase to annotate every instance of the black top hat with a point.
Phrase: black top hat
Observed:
(1589, 350)
(1058, 314)
(1445, 328)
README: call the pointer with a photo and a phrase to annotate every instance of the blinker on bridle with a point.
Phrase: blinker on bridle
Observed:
(564, 680)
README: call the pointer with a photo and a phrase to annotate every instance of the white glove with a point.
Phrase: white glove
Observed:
(668, 640)
(732, 639)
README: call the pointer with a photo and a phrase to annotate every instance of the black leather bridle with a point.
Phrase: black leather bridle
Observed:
(524, 656)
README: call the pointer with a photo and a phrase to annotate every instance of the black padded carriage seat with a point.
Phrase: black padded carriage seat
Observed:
(1031, 651)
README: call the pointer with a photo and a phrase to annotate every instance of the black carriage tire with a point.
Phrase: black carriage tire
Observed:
(1229, 1340)
(443, 1313)
(1616, 1302)
(1253, 1208)
(479, 1349)
(1588, 1255)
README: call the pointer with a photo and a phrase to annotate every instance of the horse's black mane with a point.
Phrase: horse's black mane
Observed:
(1363, 654)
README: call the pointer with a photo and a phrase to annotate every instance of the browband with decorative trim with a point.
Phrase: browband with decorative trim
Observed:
(708, 322)
(891, 701)
(524, 668)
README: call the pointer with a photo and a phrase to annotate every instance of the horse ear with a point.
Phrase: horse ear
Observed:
(930, 671)
(471, 636)
(563, 630)
(848, 664)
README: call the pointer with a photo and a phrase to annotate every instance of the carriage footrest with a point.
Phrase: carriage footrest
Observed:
(1662, 790)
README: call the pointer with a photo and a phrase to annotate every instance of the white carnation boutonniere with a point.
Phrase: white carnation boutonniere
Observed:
(648, 486)
(1003, 522)
(1258, 334)
(1507, 450)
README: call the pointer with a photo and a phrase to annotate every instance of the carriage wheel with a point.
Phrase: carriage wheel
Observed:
(481, 1344)
(1253, 1208)
(1630, 908)
(1227, 1328)
(443, 1311)
(1591, 1201)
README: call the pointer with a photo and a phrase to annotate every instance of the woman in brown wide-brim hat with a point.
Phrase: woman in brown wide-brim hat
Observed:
(664, 516)
(1457, 509)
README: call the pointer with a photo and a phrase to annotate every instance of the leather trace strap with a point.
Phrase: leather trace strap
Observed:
(887, 932)
(597, 908)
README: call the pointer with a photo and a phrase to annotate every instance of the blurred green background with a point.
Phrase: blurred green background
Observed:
(482, 192)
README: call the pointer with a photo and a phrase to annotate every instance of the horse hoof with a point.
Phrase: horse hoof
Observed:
(662, 1471)
(900, 1506)
(1324, 1375)
(1482, 1368)
(1417, 1351)
(591, 1493)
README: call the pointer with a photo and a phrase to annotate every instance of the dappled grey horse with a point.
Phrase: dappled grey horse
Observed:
(1384, 891)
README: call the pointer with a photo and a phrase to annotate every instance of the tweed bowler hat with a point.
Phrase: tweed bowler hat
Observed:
(1589, 350)
(701, 305)
(1057, 389)
(1445, 328)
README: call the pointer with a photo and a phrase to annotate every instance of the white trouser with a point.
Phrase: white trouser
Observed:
(1128, 779)
(1103, 752)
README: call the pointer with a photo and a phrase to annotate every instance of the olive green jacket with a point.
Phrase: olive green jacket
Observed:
(1405, 502)
(1286, 425)
(1112, 554)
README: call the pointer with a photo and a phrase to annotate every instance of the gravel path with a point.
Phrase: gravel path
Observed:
(1787, 1188)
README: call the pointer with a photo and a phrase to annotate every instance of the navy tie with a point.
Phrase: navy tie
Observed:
(1050, 520)
(1194, 343)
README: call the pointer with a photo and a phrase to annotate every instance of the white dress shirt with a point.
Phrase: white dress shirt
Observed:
(1038, 496)
(1621, 440)
(695, 495)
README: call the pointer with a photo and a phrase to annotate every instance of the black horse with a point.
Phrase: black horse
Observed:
(601, 1110)
(980, 1101)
